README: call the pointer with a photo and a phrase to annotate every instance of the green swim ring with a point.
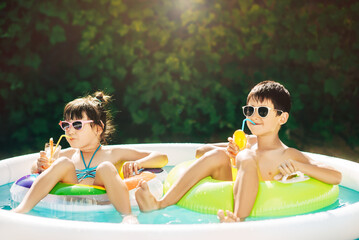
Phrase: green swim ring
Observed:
(274, 199)
(77, 189)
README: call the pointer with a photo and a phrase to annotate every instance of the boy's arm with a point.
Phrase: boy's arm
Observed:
(251, 140)
(310, 167)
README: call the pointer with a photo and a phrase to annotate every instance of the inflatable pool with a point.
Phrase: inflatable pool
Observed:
(339, 223)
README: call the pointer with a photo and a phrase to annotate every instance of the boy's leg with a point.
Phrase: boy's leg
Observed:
(214, 163)
(244, 191)
(107, 176)
(61, 170)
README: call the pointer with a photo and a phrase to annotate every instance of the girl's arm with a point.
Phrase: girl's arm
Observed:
(43, 162)
(310, 167)
(137, 159)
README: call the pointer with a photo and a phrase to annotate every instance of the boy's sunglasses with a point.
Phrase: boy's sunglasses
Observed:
(78, 124)
(262, 111)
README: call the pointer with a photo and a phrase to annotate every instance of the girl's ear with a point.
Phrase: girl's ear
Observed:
(99, 129)
(283, 118)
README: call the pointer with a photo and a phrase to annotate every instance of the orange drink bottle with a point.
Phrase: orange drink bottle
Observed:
(240, 139)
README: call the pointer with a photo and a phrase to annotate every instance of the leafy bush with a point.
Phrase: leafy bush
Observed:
(179, 70)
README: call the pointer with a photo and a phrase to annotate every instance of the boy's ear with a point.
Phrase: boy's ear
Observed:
(283, 118)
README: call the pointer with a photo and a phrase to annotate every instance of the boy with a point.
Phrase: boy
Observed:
(265, 158)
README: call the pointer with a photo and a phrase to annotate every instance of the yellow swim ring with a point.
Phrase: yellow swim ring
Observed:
(273, 199)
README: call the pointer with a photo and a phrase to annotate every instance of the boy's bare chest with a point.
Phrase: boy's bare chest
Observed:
(268, 164)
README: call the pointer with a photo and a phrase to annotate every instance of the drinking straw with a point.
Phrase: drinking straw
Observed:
(247, 119)
(57, 144)
(51, 147)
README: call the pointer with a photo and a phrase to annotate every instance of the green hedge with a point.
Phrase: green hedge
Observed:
(179, 71)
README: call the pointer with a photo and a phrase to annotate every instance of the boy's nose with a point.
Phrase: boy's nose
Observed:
(255, 115)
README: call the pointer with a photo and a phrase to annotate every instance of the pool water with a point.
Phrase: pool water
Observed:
(169, 215)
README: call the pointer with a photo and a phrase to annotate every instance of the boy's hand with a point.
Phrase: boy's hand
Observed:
(286, 168)
(232, 148)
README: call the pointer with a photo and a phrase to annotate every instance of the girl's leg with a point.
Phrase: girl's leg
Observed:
(214, 163)
(62, 169)
(107, 176)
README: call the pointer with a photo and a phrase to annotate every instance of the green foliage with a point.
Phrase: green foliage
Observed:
(179, 71)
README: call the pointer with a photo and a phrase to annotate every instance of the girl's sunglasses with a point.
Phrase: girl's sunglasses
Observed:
(78, 124)
(262, 111)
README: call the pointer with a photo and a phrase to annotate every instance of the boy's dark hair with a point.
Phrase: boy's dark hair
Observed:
(95, 109)
(273, 91)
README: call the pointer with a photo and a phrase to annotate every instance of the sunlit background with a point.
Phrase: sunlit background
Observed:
(179, 70)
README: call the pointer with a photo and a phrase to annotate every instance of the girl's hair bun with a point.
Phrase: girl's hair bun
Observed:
(102, 98)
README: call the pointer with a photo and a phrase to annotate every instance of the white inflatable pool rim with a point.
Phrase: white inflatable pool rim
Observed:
(341, 223)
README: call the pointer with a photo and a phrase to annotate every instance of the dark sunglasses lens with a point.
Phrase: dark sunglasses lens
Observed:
(77, 125)
(248, 111)
(263, 111)
(65, 125)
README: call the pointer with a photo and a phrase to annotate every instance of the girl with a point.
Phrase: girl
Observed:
(87, 124)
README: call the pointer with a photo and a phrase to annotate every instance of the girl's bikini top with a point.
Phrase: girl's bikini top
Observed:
(87, 172)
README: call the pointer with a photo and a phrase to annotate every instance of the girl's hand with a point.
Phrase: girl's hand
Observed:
(232, 148)
(43, 162)
(130, 168)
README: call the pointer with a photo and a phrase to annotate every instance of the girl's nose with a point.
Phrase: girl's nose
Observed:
(70, 130)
